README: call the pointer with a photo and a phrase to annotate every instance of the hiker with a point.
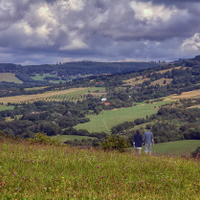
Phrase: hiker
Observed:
(137, 142)
(148, 140)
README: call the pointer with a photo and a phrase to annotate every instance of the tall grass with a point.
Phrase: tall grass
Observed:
(48, 172)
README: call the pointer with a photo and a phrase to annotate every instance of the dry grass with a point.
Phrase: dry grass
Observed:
(135, 81)
(139, 79)
(184, 95)
(30, 98)
(36, 88)
(160, 81)
(9, 77)
(196, 106)
(166, 70)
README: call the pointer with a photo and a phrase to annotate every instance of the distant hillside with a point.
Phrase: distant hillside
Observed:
(63, 72)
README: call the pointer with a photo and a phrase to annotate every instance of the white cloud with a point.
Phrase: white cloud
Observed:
(151, 12)
(192, 43)
(75, 43)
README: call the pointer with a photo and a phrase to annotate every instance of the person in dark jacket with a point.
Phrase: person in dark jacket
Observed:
(137, 142)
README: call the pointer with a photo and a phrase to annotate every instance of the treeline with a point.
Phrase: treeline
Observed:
(80, 67)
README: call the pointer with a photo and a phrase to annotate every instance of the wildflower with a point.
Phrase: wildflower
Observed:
(97, 166)
(102, 177)
(23, 177)
(17, 188)
(139, 174)
(85, 179)
(163, 180)
(14, 174)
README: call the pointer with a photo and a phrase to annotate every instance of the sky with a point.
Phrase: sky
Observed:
(51, 31)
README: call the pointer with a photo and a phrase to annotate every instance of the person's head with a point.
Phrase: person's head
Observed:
(137, 131)
(148, 128)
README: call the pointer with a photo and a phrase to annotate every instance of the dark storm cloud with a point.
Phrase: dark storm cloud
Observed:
(47, 31)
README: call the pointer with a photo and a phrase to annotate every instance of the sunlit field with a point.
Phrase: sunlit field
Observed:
(107, 119)
(2, 108)
(9, 77)
(49, 172)
(177, 148)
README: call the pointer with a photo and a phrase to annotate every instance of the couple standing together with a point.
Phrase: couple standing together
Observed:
(147, 139)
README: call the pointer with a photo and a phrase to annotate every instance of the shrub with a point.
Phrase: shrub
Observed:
(196, 153)
(42, 138)
(115, 143)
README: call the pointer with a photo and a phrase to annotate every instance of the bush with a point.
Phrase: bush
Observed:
(42, 138)
(196, 153)
(115, 143)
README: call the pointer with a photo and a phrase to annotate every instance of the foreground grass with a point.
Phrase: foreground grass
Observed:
(107, 119)
(47, 172)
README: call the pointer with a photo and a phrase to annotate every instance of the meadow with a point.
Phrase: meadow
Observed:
(9, 77)
(2, 108)
(38, 77)
(107, 119)
(177, 148)
(35, 171)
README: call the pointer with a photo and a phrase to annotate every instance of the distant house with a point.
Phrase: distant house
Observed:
(103, 99)
(99, 83)
(106, 104)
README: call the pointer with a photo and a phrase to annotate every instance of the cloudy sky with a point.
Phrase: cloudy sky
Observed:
(50, 31)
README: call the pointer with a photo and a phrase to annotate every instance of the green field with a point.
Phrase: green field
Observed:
(72, 137)
(9, 77)
(107, 119)
(178, 147)
(38, 77)
(2, 108)
(175, 148)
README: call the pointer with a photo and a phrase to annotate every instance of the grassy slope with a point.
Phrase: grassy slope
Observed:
(9, 77)
(178, 147)
(71, 137)
(47, 172)
(2, 108)
(107, 119)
